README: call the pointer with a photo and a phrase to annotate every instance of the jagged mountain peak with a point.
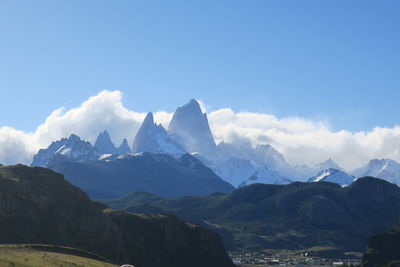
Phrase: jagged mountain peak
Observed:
(124, 147)
(192, 105)
(149, 119)
(73, 148)
(104, 144)
(154, 138)
(190, 128)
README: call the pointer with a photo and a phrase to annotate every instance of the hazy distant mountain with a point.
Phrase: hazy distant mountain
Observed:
(259, 156)
(241, 164)
(124, 147)
(190, 128)
(154, 138)
(265, 176)
(232, 170)
(104, 144)
(116, 175)
(111, 175)
(328, 164)
(334, 176)
(294, 216)
(387, 169)
(72, 148)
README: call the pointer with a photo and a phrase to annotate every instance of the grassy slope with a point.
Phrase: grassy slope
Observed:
(43, 256)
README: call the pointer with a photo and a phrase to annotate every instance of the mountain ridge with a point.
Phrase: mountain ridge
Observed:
(237, 163)
(161, 174)
(294, 216)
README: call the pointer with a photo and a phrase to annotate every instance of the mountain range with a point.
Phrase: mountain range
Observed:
(112, 176)
(295, 216)
(237, 163)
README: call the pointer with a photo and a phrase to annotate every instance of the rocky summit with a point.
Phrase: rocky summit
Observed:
(154, 138)
(189, 126)
(71, 148)
(104, 144)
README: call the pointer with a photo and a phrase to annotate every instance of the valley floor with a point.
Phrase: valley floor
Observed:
(292, 258)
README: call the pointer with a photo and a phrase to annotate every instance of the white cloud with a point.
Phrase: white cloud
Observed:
(101, 112)
(301, 141)
(16, 146)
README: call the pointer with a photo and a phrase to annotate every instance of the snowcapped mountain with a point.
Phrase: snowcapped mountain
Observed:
(154, 138)
(237, 163)
(72, 148)
(328, 164)
(190, 128)
(232, 170)
(386, 169)
(266, 176)
(266, 154)
(259, 156)
(104, 144)
(302, 173)
(334, 176)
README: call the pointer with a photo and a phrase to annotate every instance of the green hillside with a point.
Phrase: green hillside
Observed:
(294, 216)
(48, 256)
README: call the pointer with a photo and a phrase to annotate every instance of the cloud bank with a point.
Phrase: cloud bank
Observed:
(301, 141)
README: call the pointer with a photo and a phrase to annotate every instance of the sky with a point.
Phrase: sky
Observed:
(329, 63)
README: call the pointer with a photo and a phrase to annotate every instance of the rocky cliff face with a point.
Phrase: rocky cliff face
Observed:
(38, 206)
(168, 241)
(189, 126)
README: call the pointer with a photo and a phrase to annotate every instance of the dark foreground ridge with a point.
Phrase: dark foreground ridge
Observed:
(294, 216)
(383, 249)
(37, 206)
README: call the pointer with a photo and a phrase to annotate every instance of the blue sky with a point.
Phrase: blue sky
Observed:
(323, 60)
